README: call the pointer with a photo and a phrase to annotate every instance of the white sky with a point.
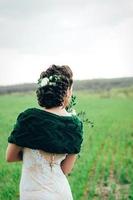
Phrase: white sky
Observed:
(93, 37)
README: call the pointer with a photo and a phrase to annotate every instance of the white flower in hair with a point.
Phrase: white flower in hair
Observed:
(52, 83)
(50, 78)
(48, 81)
(44, 81)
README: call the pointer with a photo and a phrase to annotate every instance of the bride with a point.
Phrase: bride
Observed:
(47, 140)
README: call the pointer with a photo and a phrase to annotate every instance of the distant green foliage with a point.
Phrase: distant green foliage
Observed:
(97, 85)
(94, 85)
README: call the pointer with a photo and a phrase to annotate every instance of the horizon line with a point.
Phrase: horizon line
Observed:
(123, 77)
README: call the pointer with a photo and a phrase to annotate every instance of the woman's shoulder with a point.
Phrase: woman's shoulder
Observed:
(24, 113)
(37, 113)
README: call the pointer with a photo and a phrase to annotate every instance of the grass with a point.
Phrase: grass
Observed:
(104, 168)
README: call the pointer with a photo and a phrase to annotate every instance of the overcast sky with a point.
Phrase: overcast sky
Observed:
(93, 37)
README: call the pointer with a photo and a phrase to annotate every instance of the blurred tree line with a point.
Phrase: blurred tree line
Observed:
(124, 84)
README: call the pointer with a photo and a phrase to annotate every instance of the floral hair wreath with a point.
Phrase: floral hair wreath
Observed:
(51, 80)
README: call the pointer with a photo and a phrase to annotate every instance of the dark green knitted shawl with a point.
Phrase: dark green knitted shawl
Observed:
(39, 129)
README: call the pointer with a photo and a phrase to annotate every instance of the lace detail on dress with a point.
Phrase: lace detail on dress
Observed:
(39, 180)
(41, 158)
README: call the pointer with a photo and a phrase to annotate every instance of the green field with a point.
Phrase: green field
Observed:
(104, 169)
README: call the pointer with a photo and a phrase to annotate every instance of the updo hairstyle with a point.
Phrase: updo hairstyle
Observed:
(49, 96)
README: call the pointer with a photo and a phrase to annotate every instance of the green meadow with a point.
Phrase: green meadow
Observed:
(104, 170)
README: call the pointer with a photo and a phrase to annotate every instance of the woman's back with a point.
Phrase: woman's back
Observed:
(51, 130)
(41, 182)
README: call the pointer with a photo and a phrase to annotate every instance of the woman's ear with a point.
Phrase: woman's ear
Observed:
(71, 89)
(69, 92)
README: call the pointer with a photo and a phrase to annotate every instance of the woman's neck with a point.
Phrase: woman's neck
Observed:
(57, 110)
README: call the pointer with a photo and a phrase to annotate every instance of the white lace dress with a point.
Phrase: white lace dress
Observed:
(41, 182)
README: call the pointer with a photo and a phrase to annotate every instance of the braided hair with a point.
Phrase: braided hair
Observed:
(50, 95)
